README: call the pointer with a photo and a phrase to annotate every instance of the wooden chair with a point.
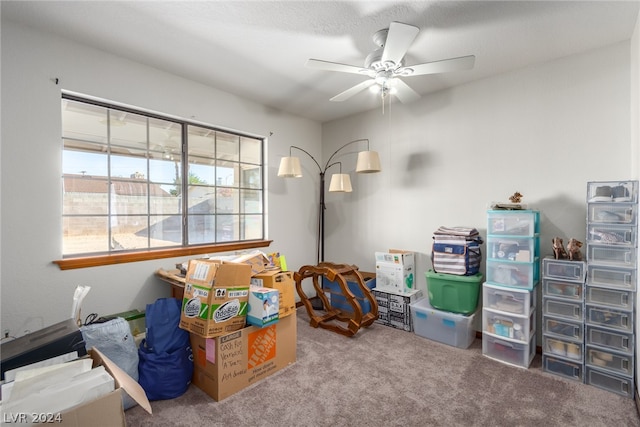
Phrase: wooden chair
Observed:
(341, 274)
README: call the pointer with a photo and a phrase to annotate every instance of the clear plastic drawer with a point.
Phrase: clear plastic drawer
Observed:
(509, 300)
(513, 223)
(609, 318)
(512, 353)
(616, 298)
(611, 277)
(615, 256)
(564, 368)
(566, 329)
(513, 273)
(564, 269)
(562, 289)
(610, 382)
(609, 339)
(498, 323)
(610, 360)
(563, 308)
(625, 213)
(605, 234)
(562, 348)
(612, 191)
(524, 249)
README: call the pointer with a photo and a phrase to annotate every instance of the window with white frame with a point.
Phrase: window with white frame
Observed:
(136, 181)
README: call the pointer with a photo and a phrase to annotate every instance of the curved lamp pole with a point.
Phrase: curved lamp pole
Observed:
(368, 162)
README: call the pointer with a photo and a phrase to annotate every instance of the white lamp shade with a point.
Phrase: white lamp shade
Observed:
(290, 168)
(340, 182)
(368, 162)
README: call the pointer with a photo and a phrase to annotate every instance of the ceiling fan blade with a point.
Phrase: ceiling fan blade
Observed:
(352, 91)
(404, 93)
(399, 39)
(453, 64)
(335, 66)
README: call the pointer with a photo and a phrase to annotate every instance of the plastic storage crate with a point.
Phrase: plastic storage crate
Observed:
(515, 327)
(610, 382)
(456, 294)
(523, 249)
(618, 235)
(563, 348)
(609, 339)
(563, 309)
(612, 214)
(611, 361)
(615, 298)
(573, 331)
(609, 318)
(442, 326)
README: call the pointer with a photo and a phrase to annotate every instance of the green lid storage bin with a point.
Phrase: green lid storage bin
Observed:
(456, 294)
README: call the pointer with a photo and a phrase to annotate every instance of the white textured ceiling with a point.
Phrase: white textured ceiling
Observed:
(258, 49)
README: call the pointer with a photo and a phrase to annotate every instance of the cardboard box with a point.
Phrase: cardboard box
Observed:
(257, 260)
(225, 365)
(284, 283)
(106, 410)
(394, 308)
(215, 297)
(263, 306)
(395, 271)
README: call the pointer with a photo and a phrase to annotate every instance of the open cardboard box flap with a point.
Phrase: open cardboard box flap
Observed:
(122, 379)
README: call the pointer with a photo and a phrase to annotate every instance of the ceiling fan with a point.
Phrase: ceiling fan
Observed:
(385, 67)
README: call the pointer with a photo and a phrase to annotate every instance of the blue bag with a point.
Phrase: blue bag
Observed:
(165, 363)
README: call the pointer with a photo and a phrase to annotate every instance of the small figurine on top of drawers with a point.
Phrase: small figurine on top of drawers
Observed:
(573, 247)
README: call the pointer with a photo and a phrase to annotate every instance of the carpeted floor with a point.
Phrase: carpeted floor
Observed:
(388, 377)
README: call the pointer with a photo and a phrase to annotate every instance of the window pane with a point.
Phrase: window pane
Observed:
(201, 229)
(84, 195)
(252, 227)
(165, 231)
(251, 201)
(227, 201)
(84, 121)
(128, 232)
(202, 200)
(228, 229)
(251, 176)
(84, 159)
(227, 146)
(250, 150)
(85, 234)
(227, 174)
(128, 130)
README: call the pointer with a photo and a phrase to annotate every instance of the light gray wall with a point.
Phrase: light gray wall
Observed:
(35, 293)
(544, 131)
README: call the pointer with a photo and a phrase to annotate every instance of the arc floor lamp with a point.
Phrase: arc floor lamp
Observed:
(368, 162)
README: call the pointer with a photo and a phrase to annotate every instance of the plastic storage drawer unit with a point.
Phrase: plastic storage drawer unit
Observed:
(610, 382)
(612, 277)
(513, 223)
(562, 289)
(612, 191)
(511, 300)
(561, 328)
(515, 327)
(615, 298)
(609, 360)
(448, 328)
(604, 234)
(509, 352)
(610, 339)
(564, 309)
(456, 294)
(609, 318)
(515, 274)
(513, 248)
(609, 214)
(562, 348)
(564, 269)
(564, 368)
(615, 256)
